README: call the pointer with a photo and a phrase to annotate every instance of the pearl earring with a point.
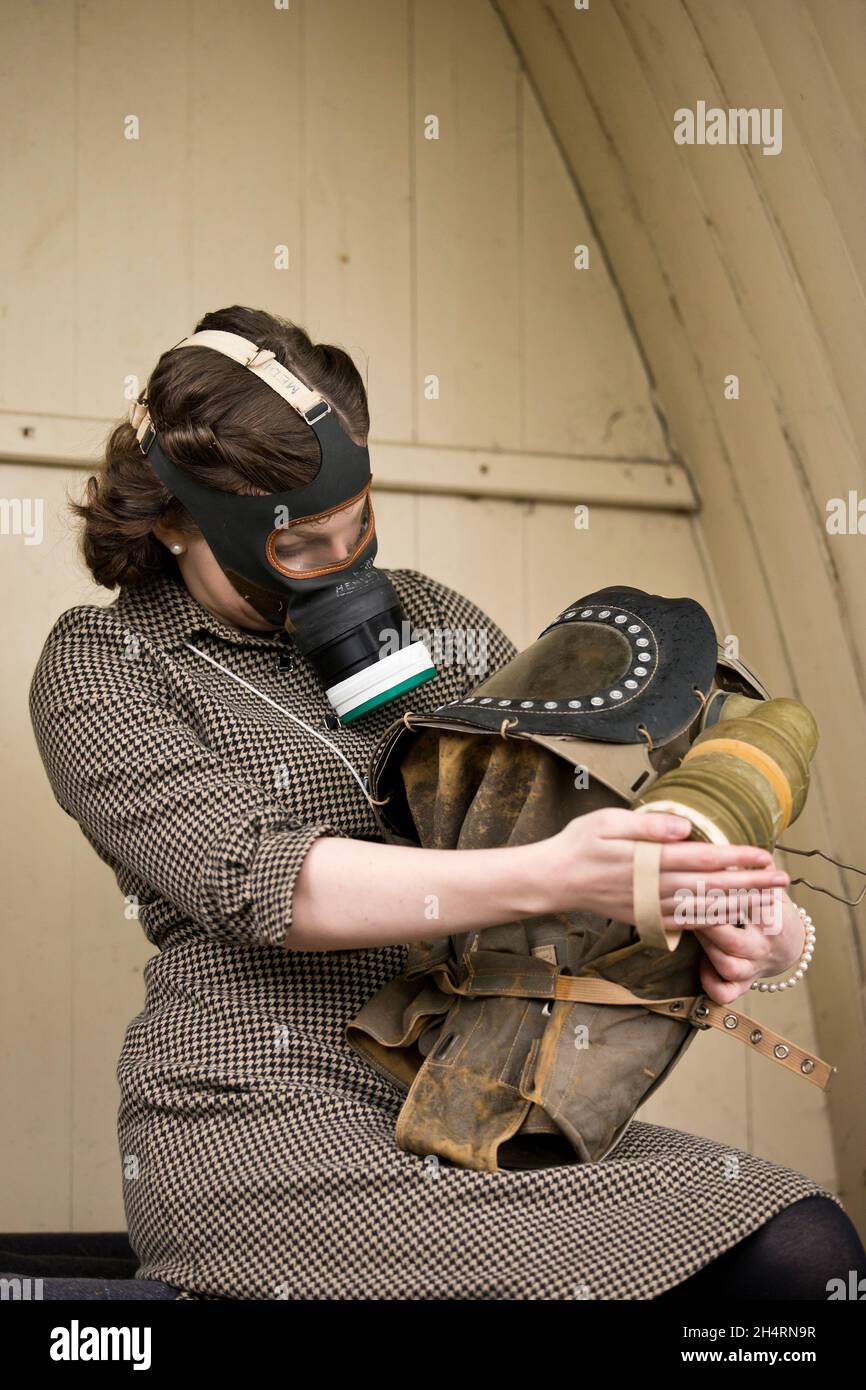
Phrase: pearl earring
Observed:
(177, 549)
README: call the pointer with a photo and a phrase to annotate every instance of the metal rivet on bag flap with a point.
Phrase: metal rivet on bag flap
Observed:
(731, 1020)
(676, 1006)
(755, 1035)
(807, 1065)
(780, 1050)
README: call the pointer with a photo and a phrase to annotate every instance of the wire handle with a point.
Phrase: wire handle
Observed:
(849, 902)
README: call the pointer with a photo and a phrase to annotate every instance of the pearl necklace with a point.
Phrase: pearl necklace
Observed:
(802, 964)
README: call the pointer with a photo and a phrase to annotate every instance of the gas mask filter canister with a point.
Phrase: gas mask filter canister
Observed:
(345, 616)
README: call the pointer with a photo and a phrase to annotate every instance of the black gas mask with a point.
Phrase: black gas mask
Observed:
(345, 616)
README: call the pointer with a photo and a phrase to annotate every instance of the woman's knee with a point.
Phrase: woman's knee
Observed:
(811, 1250)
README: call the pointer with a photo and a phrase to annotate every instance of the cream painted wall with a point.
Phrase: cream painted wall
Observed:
(450, 257)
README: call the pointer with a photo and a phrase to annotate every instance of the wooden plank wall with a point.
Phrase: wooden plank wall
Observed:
(449, 259)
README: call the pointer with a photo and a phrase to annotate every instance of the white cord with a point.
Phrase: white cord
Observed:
(321, 737)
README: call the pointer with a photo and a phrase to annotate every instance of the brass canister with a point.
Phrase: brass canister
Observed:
(745, 779)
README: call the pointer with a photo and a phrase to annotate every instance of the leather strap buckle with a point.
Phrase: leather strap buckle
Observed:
(698, 1011)
(324, 411)
(147, 437)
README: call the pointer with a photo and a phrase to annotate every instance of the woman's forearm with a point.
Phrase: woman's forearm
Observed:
(352, 894)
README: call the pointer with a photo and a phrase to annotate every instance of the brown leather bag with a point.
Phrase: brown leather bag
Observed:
(535, 1042)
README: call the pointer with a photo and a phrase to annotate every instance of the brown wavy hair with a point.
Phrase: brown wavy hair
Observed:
(222, 426)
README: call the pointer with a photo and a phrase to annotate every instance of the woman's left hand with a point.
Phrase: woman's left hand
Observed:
(772, 939)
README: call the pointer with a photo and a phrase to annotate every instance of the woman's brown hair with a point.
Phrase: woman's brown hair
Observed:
(222, 426)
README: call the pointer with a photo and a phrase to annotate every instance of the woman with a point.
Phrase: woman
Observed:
(191, 739)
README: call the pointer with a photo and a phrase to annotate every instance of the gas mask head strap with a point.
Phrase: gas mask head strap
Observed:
(345, 467)
(259, 360)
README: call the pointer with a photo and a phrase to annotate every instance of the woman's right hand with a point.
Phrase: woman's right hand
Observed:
(589, 864)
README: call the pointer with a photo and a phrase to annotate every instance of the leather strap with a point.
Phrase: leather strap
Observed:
(704, 1013)
(696, 1009)
(647, 903)
(259, 360)
(262, 361)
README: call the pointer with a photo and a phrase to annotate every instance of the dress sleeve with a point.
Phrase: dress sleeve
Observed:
(170, 816)
(461, 624)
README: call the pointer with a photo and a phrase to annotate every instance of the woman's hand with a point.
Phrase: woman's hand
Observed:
(769, 943)
(592, 870)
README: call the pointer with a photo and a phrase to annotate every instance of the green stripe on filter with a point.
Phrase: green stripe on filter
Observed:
(390, 694)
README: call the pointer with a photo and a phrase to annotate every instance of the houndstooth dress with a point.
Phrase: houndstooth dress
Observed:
(258, 1157)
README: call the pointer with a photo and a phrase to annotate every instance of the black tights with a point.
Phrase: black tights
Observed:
(793, 1255)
